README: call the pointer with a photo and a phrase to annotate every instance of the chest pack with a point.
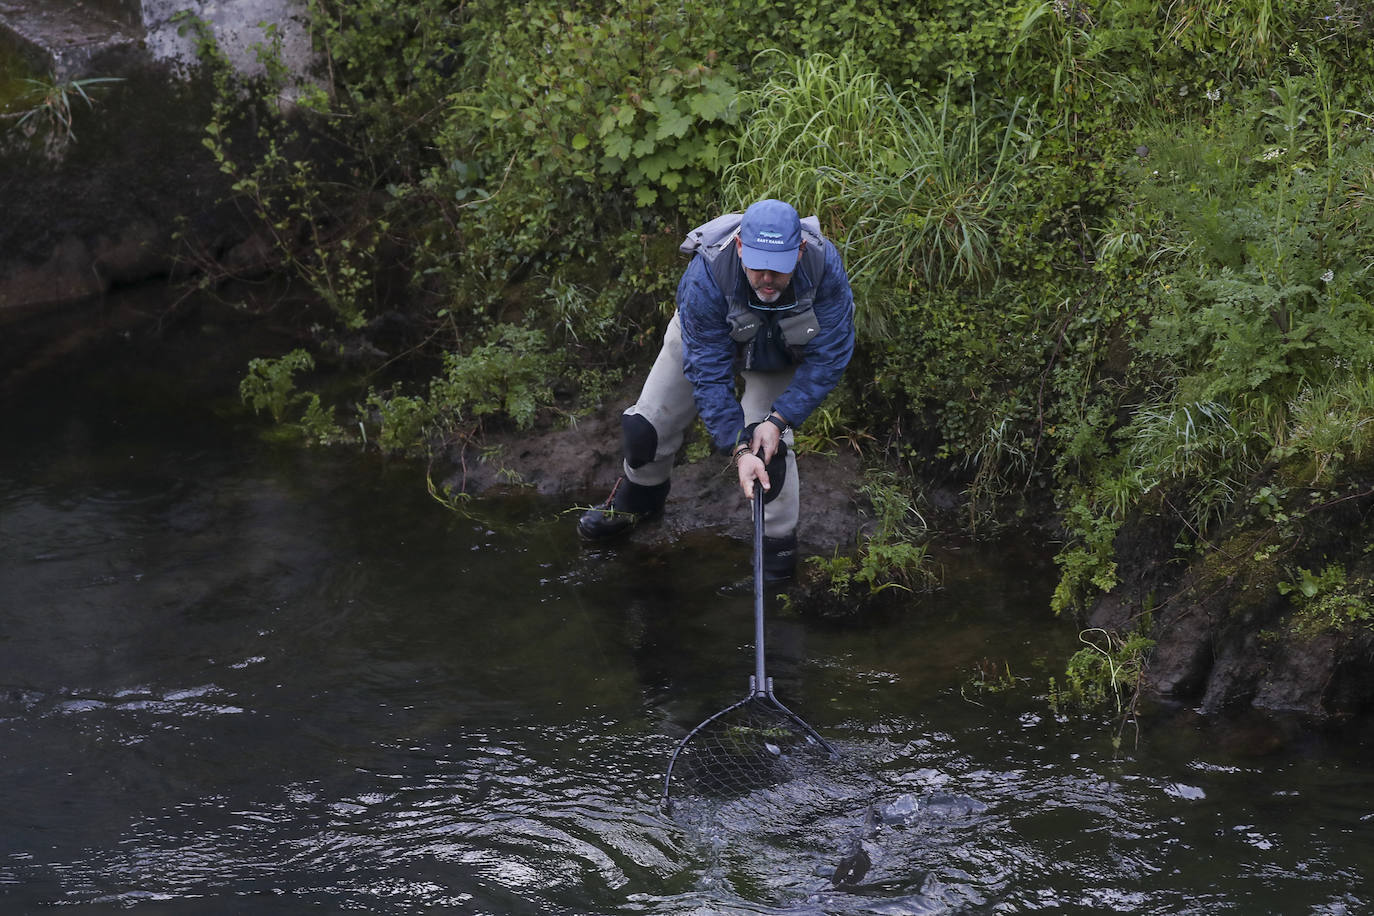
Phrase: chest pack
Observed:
(787, 329)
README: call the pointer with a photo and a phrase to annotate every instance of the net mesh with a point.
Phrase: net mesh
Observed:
(751, 745)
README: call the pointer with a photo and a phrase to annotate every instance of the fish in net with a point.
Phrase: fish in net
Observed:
(757, 742)
(753, 744)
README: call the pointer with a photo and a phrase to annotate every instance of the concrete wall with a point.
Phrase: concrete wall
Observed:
(105, 209)
(71, 39)
(238, 25)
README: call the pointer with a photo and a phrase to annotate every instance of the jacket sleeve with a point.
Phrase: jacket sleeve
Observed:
(829, 352)
(708, 354)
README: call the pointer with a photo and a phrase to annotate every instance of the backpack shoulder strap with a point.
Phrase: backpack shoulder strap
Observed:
(813, 258)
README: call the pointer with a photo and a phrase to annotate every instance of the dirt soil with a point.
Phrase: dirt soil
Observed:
(582, 460)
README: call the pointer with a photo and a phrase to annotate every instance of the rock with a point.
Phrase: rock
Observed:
(581, 460)
(852, 866)
(1226, 638)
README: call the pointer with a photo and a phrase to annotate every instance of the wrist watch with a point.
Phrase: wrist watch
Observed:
(782, 425)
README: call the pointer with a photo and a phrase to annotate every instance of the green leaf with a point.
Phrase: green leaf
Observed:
(652, 167)
(672, 123)
(710, 106)
(619, 146)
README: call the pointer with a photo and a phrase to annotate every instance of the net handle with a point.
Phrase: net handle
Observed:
(761, 685)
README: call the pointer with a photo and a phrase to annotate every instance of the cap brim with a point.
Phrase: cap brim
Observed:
(782, 262)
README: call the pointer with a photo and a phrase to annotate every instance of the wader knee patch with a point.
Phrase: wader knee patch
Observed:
(641, 439)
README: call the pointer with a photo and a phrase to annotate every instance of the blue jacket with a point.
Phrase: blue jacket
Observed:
(709, 354)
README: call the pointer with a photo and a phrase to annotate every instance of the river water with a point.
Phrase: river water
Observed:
(238, 677)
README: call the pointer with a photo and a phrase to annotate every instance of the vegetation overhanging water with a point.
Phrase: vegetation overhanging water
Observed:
(237, 675)
(1110, 260)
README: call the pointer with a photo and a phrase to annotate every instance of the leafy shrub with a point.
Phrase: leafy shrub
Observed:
(507, 377)
(892, 556)
(1329, 599)
(565, 122)
(1108, 669)
(404, 424)
(271, 385)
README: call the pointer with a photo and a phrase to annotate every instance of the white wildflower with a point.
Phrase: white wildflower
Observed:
(1271, 154)
(1328, 276)
(1214, 95)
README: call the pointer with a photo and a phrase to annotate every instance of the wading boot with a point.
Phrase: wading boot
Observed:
(779, 567)
(627, 506)
(779, 559)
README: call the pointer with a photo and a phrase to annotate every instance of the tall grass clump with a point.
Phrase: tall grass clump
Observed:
(913, 190)
(814, 133)
(1240, 34)
(1332, 427)
(48, 106)
(933, 219)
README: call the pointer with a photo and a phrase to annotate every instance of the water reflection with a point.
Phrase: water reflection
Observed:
(244, 679)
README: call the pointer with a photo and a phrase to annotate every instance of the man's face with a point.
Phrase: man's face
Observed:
(768, 285)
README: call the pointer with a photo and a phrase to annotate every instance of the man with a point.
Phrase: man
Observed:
(771, 302)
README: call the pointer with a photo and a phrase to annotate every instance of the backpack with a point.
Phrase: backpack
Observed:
(710, 237)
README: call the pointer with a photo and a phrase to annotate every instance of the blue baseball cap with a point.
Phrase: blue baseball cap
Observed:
(771, 233)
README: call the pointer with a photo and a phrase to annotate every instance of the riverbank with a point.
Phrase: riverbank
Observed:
(580, 459)
(1227, 636)
(104, 177)
(1227, 641)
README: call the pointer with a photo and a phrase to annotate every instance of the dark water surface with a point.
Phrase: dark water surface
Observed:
(240, 678)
